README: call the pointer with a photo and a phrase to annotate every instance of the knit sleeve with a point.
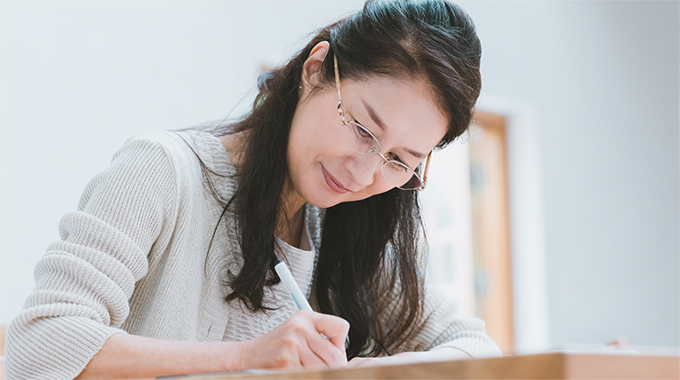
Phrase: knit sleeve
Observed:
(84, 281)
(442, 326)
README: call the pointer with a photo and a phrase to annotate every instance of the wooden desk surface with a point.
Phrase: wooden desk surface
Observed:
(540, 366)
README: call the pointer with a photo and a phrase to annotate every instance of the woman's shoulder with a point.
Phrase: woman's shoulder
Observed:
(184, 149)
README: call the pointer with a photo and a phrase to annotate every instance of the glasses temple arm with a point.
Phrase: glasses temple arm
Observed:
(337, 82)
(427, 166)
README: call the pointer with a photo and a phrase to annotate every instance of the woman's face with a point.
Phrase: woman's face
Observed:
(403, 116)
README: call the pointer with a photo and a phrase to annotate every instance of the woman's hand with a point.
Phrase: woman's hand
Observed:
(441, 354)
(298, 343)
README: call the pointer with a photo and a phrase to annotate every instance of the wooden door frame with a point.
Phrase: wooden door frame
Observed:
(491, 227)
(529, 271)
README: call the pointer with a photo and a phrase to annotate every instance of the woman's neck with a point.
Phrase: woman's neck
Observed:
(290, 230)
(290, 223)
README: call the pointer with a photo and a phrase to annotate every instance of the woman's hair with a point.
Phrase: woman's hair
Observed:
(368, 265)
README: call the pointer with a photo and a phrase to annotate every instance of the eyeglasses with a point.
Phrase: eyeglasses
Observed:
(359, 139)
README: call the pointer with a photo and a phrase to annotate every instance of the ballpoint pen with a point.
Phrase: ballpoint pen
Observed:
(289, 282)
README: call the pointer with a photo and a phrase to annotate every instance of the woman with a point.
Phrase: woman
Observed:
(167, 265)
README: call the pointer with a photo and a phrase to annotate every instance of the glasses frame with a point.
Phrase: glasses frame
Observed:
(341, 113)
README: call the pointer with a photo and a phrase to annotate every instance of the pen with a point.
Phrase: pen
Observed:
(287, 278)
(289, 282)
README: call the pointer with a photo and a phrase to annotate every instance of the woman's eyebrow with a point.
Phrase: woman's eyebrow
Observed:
(378, 121)
(374, 116)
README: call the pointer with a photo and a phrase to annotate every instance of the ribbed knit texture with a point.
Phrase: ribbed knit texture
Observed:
(245, 325)
(134, 259)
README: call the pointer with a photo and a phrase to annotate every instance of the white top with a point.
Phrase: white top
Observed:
(135, 258)
(243, 326)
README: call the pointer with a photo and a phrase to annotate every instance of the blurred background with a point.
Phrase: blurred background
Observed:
(556, 219)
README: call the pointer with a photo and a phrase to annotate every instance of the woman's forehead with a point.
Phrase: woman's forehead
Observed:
(400, 108)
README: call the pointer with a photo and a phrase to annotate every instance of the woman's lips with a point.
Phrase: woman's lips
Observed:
(332, 182)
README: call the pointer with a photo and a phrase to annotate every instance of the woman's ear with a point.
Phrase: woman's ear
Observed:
(314, 63)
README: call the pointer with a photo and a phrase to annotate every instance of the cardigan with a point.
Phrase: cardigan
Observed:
(146, 253)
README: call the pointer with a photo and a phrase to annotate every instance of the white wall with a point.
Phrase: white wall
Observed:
(78, 78)
(447, 215)
(603, 77)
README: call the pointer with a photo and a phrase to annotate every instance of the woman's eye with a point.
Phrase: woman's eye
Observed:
(402, 168)
(398, 159)
(360, 131)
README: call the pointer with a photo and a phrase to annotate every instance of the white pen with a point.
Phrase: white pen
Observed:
(289, 282)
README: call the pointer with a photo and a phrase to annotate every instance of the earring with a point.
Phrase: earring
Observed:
(300, 87)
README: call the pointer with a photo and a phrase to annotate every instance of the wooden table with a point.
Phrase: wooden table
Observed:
(540, 366)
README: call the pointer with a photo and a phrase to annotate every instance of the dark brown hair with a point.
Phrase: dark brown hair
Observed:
(368, 266)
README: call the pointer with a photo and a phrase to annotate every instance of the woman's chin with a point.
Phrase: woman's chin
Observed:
(323, 199)
(324, 203)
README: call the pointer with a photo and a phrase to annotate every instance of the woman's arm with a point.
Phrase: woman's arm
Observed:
(442, 336)
(296, 343)
(86, 279)
(442, 326)
(127, 356)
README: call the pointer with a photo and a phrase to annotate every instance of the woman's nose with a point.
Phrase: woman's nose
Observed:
(365, 168)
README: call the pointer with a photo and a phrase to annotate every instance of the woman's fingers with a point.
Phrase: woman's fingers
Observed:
(307, 339)
(334, 328)
(325, 337)
(309, 359)
(323, 348)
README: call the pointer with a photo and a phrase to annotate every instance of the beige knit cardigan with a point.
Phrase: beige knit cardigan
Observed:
(134, 259)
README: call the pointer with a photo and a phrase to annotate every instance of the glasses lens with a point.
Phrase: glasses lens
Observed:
(359, 139)
(401, 176)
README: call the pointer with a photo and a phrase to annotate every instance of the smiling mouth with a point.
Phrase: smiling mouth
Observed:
(333, 183)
